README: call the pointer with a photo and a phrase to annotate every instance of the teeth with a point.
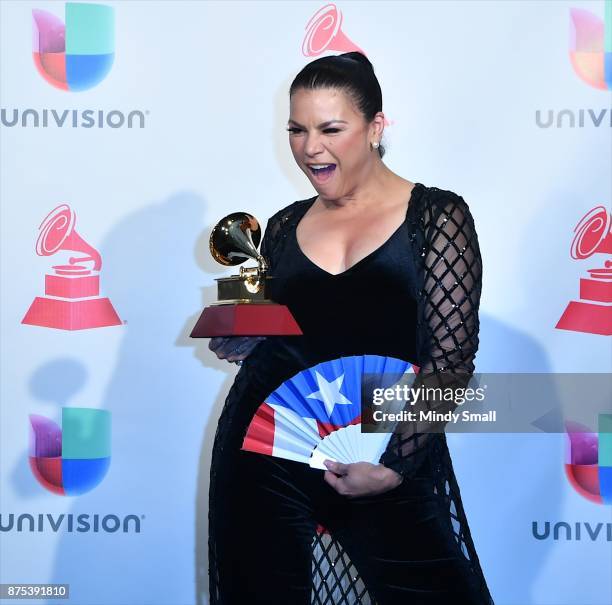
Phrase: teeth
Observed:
(319, 166)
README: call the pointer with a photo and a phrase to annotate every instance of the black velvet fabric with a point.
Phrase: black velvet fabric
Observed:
(410, 545)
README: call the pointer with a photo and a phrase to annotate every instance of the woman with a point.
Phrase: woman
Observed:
(373, 264)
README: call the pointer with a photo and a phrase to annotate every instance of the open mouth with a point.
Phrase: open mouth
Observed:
(322, 171)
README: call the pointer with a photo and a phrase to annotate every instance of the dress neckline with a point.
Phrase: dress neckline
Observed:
(364, 259)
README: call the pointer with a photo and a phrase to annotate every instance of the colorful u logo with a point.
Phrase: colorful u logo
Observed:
(76, 55)
(72, 459)
(591, 46)
(589, 460)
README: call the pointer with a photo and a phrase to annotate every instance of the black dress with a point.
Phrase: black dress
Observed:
(415, 298)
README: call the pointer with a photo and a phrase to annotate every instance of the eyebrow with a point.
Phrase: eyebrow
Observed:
(322, 125)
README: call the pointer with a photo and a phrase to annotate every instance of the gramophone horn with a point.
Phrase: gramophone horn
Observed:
(57, 233)
(593, 234)
(324, 32)
(235, 238)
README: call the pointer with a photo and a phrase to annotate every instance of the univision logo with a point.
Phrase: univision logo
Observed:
(588, 463)
(76, 55)
(580, 530)
(72, 459)
(81, 523)
(72, 118)
(590, 54)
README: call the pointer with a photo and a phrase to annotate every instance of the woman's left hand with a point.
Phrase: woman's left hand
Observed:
(360, 478)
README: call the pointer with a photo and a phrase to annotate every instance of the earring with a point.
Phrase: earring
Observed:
(375, 145)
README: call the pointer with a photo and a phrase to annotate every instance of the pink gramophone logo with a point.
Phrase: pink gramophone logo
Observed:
(593, 312)
(323, 32)
(72, 292)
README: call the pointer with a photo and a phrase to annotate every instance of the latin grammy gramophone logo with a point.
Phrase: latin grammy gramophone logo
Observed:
(324, 32)
(72, 291)
(593, 312)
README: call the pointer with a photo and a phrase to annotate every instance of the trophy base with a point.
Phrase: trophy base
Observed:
(248, 319)
(71, 314)
(585, 317)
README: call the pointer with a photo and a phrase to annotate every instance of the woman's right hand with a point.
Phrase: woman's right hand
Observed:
(234, 348)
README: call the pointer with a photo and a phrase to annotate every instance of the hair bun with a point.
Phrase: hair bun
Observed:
(357, 56)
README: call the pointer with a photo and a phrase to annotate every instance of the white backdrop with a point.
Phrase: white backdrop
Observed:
(461, 82)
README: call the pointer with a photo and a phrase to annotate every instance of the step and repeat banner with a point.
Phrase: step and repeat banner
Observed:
(129, 128)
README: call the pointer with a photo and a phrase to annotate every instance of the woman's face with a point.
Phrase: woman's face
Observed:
(325, 129)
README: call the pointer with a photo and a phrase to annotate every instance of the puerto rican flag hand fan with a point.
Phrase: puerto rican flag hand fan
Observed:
(316, 414)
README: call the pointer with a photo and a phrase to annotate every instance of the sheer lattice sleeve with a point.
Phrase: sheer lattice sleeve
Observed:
(268, 241)
(275, 233)
(449, 277)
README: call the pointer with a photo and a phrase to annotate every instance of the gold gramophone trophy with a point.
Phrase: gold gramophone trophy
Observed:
(243, 307)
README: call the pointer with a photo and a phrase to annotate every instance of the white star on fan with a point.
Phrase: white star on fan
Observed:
(329, 392)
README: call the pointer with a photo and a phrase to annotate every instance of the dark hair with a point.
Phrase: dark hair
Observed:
(350, 72)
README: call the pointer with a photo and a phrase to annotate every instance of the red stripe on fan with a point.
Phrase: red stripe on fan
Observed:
(260, 434)
(321, 529)
(325, 428)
